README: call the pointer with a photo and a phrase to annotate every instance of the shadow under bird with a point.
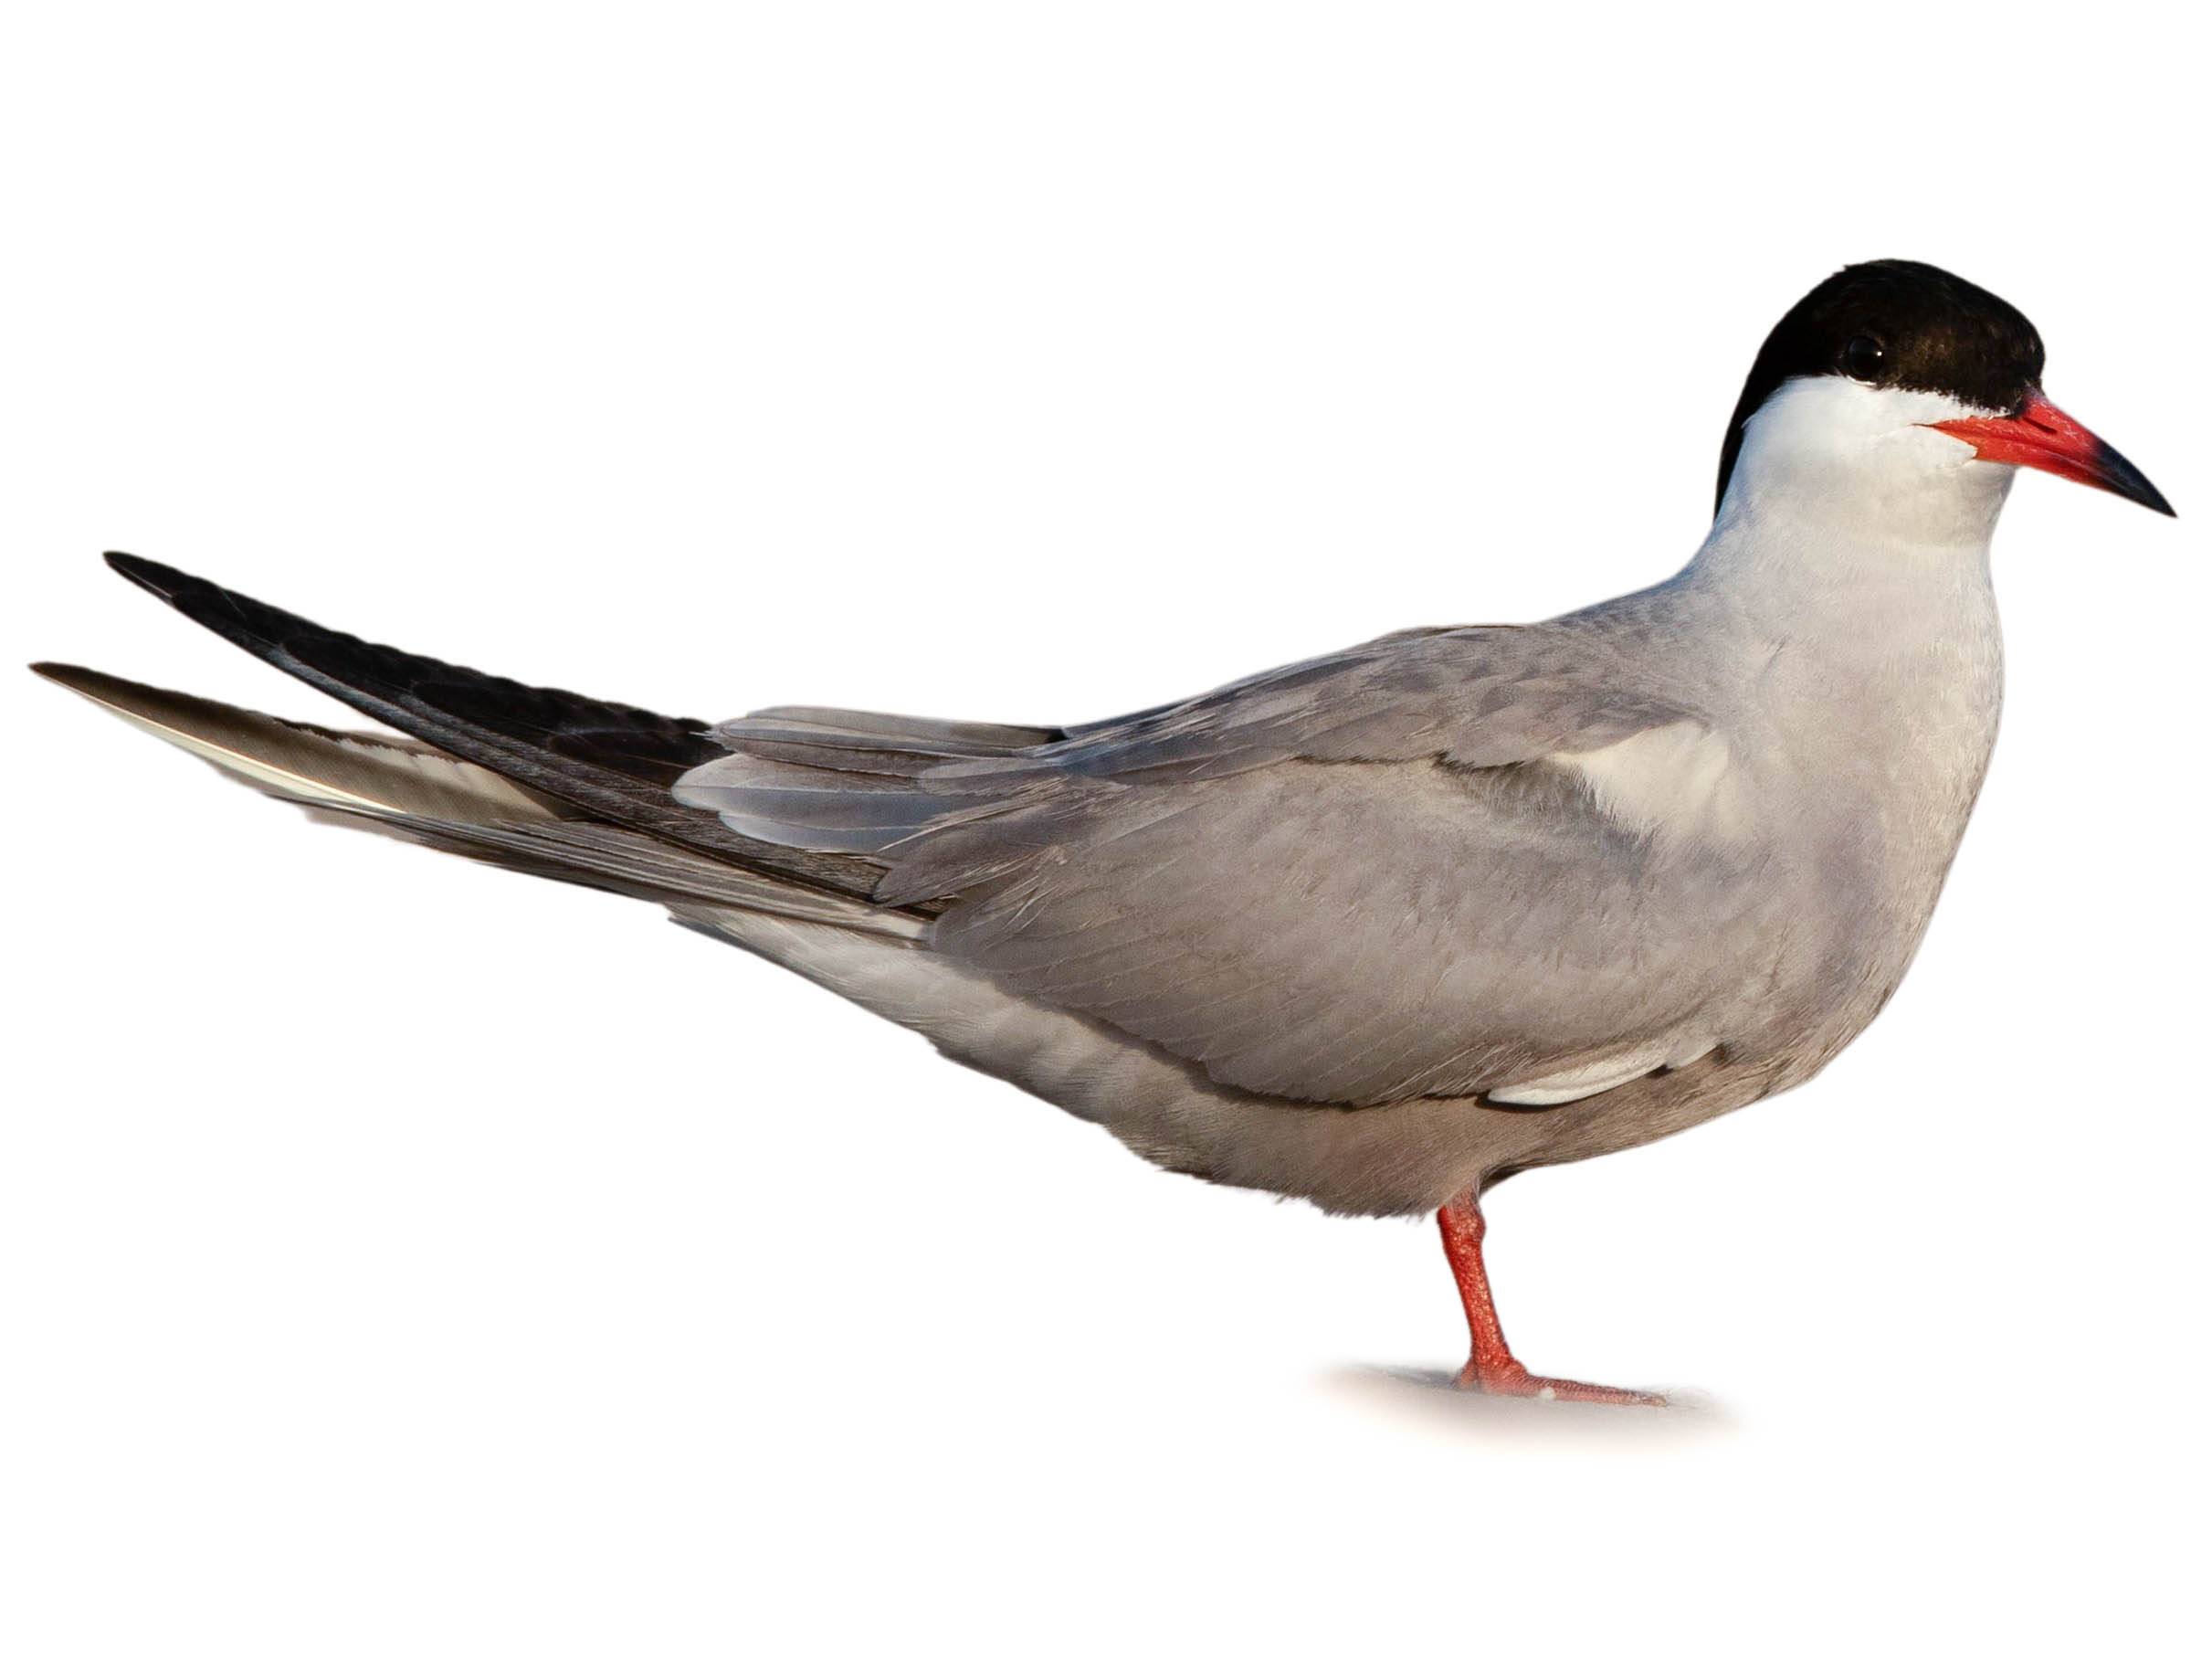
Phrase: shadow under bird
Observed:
(1377, 930)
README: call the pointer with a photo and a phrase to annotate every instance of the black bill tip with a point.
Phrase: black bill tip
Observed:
(2123, 478)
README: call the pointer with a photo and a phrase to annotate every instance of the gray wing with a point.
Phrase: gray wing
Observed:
(1363, 878)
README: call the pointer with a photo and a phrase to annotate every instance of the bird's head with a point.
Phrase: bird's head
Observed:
(1898, 393)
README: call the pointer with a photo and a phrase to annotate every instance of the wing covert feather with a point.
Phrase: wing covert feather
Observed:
(1348, 881)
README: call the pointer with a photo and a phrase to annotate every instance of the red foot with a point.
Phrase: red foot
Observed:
(1515, 1382)
(1492, 1368)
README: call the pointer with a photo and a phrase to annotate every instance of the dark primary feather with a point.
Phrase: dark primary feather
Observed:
(607, 758)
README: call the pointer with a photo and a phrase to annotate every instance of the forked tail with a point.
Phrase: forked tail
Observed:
(535, 780)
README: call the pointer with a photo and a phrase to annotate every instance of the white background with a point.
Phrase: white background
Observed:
(399, 1257)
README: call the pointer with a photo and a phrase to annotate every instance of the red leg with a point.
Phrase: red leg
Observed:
(1491, 1367)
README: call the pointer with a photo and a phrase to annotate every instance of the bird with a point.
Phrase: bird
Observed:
(1377, 930)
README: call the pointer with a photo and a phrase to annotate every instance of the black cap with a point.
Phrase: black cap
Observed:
(1897, 323)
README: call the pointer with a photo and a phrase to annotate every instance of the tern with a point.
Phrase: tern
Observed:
(1377, 930)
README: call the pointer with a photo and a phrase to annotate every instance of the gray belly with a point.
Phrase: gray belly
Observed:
(1814, 973)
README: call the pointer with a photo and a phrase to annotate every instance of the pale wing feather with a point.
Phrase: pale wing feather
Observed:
(1349, 880)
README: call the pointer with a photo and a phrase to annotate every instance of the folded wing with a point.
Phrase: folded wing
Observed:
(1372, 876)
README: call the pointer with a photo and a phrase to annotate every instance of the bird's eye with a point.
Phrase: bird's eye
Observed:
(1862, 359)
